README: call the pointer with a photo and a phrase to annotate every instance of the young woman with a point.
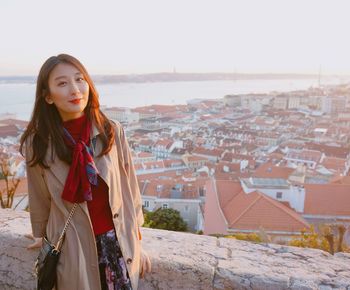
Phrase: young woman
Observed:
(75, 154)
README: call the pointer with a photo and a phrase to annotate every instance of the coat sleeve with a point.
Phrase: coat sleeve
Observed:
(130, 170)
(39, 197)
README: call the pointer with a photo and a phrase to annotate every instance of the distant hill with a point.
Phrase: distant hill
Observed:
(169, 77)
(17, 79)
(176, 77)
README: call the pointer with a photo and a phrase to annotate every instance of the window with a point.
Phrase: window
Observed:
(201, 191)
(186, 207)
(278, 194)
(165, 205)
(146, 203)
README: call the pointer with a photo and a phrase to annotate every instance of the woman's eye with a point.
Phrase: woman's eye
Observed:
(80, 79)
(62, 84)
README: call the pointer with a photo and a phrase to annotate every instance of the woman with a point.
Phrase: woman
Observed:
(75, 154)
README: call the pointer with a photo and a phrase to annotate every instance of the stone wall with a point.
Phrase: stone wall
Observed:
(188, 261)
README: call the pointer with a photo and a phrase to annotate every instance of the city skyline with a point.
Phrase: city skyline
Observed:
(118, 37)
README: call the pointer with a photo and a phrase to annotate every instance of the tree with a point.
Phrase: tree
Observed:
(11, 183)
(329, 236)
(259, 237)
(165, 219)
(251, 237)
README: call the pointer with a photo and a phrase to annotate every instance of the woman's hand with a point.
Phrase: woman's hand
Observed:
(36, 244)
(145, 264)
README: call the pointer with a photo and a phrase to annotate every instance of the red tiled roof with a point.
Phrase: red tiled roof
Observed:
(194, 158)
(172, 162)
(268, 170)
(165, 174)
(311, 155)
(254, 210)
(176, 115)
(165, 142)
(332, 151)
(276, 155)
(144, 154)
(146, 142)
(9, 131)
(20, 123)
(224, 194)
(334, 163)
(327, 199)
(292, 145)
(233, 176)
(208, 152)
(341, 180)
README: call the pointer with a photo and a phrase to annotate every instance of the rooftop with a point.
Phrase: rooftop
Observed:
(256, 182)
(327, 199)
(250, 211)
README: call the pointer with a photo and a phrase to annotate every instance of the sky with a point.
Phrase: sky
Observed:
(147, 36)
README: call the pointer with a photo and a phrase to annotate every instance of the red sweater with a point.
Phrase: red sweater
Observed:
(99, 210)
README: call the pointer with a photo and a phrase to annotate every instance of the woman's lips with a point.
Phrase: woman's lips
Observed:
(75, 101)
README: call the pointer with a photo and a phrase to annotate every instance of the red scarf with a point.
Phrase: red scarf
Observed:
(82, 172)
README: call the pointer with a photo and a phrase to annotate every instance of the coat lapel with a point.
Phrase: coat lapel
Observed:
(57, 167)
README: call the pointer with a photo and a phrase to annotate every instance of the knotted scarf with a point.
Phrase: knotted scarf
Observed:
(82, 172)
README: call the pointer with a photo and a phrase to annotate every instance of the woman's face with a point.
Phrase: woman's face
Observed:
(68, 91)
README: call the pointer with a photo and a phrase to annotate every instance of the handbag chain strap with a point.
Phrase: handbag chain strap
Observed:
(60, 240)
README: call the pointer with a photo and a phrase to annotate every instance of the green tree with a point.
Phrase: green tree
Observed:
(165, 219)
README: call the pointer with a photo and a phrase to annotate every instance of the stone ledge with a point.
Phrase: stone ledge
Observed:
(188, 261)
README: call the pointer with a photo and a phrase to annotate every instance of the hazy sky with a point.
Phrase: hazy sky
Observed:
(192, 36)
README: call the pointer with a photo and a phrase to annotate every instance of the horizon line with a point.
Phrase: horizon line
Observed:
(199, 73)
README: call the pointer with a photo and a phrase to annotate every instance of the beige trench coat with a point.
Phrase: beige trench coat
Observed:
(78, 263)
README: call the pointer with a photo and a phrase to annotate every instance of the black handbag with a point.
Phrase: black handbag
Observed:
(46, 263)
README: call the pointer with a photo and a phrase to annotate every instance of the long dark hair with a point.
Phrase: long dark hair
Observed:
(46, 121)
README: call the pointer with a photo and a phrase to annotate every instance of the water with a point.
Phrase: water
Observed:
(19, 98)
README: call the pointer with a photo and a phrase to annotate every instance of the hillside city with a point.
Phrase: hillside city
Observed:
(278, 161)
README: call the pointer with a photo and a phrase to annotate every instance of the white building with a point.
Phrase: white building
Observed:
(123, 115)
(280, 102)
(333, 105)
(277, 188)
(294, 102)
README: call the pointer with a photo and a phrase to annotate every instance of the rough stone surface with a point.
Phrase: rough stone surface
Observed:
(188, 261)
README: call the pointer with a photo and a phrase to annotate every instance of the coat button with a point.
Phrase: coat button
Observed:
(128, 261)
(115, 215)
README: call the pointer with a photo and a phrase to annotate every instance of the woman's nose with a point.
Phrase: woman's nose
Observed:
(74, 88)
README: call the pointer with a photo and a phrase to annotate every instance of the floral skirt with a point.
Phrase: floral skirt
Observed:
(113, 272)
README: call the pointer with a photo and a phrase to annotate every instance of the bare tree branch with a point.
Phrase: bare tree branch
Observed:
(11, 183)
